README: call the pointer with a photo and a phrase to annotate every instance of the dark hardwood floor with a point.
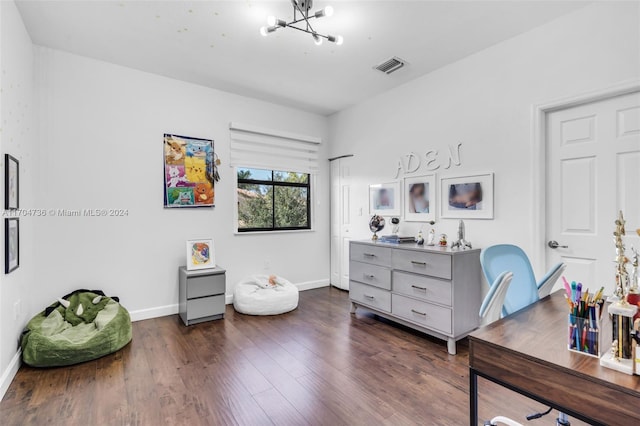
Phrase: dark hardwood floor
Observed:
(317, 365)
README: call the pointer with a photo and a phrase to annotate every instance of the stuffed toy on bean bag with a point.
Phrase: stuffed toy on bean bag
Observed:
(80, 326)
(265, 295)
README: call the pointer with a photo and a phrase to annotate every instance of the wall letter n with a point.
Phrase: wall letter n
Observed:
(454, 156)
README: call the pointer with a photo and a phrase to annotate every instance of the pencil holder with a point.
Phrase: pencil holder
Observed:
(584, 336)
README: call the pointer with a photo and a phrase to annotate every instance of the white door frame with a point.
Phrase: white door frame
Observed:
(539, 152)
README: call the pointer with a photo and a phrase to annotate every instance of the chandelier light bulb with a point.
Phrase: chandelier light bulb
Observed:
(271, 20)
(265, 31)
(335, 39)
(327, 11)
(317, 40)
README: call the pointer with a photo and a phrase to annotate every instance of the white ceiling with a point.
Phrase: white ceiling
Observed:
(217, 43)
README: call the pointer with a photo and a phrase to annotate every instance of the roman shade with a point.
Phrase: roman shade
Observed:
(262, 148)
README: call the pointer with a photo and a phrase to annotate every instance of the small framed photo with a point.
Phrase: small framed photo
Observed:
(11, 244)
(420, 198)
(467, 197)
(11, 182)
(384, 199)
(200, 254)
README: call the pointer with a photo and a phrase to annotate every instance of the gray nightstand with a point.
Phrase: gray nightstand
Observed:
(202, 294)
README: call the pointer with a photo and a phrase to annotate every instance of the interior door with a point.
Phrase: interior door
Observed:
(593, 160)
(340, 221)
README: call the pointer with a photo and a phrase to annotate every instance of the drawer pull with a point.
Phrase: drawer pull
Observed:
(369, 297)
(415, 262)
(369, 276)
(368, 254)
(419, 288)
(419, 313)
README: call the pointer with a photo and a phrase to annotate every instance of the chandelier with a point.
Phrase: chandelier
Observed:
(302, 17)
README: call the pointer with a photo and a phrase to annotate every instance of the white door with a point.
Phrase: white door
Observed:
(340, 222)
(593, 160)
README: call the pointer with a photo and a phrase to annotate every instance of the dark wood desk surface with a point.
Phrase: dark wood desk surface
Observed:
(528, 352)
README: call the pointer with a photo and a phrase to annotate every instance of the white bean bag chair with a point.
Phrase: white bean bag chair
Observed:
(255, 295)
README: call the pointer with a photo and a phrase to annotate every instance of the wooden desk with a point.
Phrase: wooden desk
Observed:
(527, 353)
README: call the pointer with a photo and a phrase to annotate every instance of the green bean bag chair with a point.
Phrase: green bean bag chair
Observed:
(81, 326)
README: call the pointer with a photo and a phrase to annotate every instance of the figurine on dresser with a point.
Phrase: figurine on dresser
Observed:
(461, 243)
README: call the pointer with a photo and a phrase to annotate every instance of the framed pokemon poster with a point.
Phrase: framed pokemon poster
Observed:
(188, 172)
(200, 254)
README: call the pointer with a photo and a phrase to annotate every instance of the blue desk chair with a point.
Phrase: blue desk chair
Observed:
(524, 290)
(491, 309)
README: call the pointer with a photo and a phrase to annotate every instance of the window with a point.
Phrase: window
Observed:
(272, 200)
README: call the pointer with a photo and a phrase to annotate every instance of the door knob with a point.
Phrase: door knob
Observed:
(554, 245)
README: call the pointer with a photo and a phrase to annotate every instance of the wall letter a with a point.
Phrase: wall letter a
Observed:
(400, 168)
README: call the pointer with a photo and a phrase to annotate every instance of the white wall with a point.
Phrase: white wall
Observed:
(485, 101)
(101, 128)
(17, 137)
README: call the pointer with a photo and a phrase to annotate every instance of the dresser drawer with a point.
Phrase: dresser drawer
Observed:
(205, 285)
(422, 313)
(370, 274)
(437, 265)
(371, 296)
(205, 307)
(422, 287)
(371, 254)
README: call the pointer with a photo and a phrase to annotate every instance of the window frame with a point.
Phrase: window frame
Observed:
(274, 183)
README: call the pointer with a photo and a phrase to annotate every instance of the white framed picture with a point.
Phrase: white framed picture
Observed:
(420, 198)
(200, 254)
(467, 197)
(384, 199)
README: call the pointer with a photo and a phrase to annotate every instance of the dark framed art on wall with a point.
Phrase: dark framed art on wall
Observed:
(11, 182)
(11, 244)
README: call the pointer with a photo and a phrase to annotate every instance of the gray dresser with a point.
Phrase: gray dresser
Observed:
(435, 290)
(201, 294)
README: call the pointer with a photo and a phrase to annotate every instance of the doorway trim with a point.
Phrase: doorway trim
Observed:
(539, 152)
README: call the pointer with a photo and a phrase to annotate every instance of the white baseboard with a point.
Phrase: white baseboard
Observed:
(10, 373)
(159, 311)
(163, 311)
(310, 285)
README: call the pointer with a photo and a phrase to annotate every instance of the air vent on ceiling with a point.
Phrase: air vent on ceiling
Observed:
(390, 65)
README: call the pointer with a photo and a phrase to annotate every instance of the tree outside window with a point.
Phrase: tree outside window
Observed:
(272, 200)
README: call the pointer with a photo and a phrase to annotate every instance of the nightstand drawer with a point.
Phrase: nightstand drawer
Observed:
(370, 254)
(437, 265)
(205, 285)
(422, 287)
(205, 307)
(371, 296)
(422, 313)
(370, 274)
